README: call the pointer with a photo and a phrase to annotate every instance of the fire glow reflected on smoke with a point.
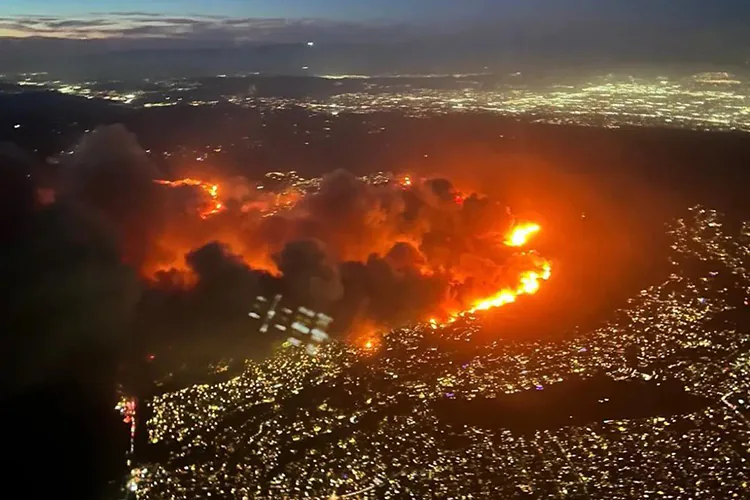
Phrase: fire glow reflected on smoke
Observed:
(529, 283)
(367, 335)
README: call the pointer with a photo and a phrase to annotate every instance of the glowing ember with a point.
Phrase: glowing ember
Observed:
(520, 234)
(370, 344)
(212, 190)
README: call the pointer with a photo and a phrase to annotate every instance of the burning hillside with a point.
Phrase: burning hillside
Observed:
(375, 253)
(212, 207)
(402, 243)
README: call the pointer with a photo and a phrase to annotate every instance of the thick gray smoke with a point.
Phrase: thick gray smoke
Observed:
(67, 290)
(110, 173)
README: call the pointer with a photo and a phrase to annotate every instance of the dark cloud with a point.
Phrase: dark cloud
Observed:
(176, 316)
(69, 303)
(310, 276)
(129, 14)
(377, 292)
(175, 30)
(142, 24)
(68, 292)
(76, 23)
(16, 191)
(179, 20)
(109, 172)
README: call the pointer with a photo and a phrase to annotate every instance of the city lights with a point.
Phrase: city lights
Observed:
(715, 100)
(372, 427)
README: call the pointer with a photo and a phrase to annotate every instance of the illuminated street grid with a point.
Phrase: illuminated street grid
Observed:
(701, 102)
(706, 101)
(346, 421)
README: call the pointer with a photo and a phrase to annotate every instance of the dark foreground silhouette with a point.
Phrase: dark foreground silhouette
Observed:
(574, 402)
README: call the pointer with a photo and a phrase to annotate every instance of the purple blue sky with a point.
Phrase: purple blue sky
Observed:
(145, 18)
(704, 30)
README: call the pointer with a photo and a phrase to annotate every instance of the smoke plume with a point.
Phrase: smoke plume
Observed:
(365, 254)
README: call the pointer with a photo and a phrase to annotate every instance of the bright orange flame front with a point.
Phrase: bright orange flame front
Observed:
(529, 282)
(521, 234)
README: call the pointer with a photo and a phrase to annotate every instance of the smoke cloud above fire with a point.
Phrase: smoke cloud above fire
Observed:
(366, 254)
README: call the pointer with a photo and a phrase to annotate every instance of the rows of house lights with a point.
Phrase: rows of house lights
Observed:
(364, 422)
(705, 101)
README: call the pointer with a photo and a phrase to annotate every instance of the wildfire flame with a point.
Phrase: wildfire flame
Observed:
(212, 190)
(521, 234)
(529, 282)
(371, 345)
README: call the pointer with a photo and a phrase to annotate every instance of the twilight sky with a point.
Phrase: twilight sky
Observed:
(482, 31)
(149, 18)
(328, 9)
